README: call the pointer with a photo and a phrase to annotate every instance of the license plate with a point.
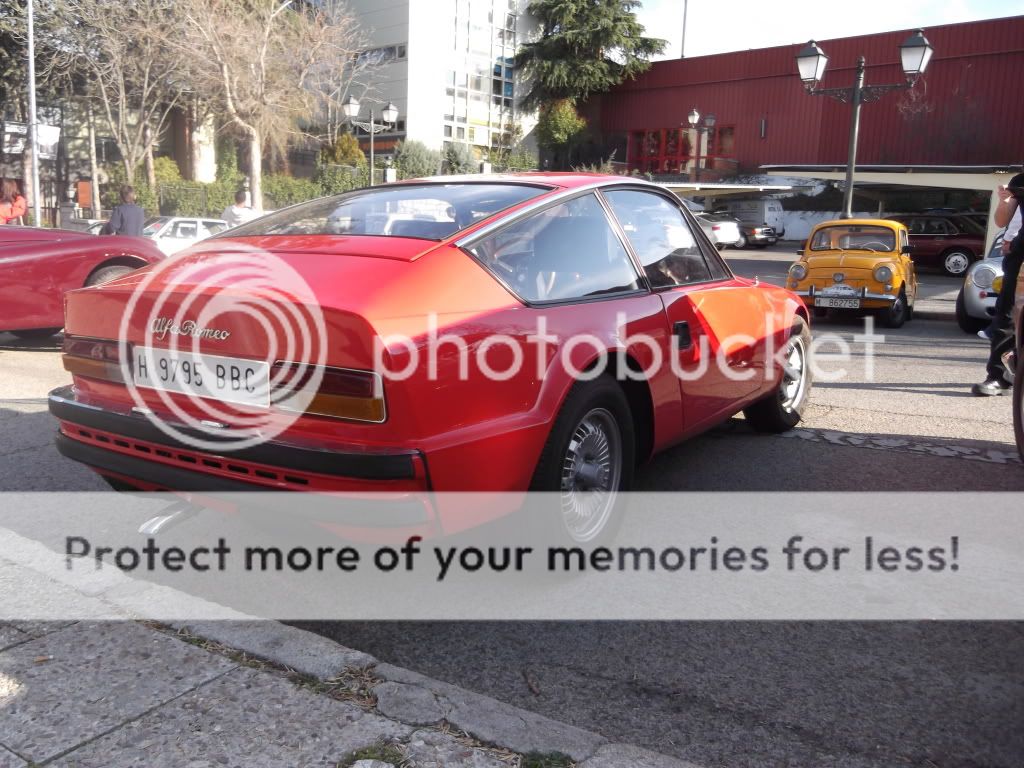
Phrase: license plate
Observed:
(821, 301)
(229, 379)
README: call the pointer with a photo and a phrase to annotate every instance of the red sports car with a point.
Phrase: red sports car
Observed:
(38, 266)
(484, 333)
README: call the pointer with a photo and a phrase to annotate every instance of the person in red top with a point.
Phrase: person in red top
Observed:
(12, 203)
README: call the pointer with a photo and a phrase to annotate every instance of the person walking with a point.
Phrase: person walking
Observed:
(12, 203)
(1011, 200)
(126, 218)
(239, 213)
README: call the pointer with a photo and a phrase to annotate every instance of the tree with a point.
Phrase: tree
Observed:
(585, 47)
(414, 159)
(118, 54)
(270, 64)
(559, 131)
(458, 158)
(344, 151)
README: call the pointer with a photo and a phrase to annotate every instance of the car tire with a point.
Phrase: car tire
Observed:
(897, 314)
(967, 323)
(956, 261)
(36, 334)
(106, 274)
(595, 417)
(1018, 404)
(742, 242)
(784, 407)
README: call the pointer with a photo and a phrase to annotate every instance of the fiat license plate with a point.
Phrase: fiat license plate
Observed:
(230, 379)
(822, 301)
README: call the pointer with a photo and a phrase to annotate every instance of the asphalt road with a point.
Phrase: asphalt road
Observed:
(731, 694)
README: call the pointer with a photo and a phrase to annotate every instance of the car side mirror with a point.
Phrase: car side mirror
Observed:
(800, 252)
(908, 249)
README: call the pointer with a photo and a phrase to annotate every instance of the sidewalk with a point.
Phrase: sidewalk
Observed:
(247, 694)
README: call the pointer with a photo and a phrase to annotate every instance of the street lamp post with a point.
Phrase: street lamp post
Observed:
(703, 128)
(915, 53)
(388, 115)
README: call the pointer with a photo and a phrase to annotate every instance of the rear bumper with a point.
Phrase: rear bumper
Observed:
(130, 445)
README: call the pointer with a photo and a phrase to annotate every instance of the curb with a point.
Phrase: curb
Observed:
(417, 700)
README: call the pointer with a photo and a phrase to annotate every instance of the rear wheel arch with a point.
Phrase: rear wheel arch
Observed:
(133, 262)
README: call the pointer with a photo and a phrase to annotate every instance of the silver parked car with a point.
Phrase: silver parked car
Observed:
(976, 302)
(723, 231)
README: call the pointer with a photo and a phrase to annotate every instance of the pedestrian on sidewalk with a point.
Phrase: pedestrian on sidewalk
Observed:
(1011, 231)
(12, 203)
(1011, 200)
(126, 218)
(239, 213)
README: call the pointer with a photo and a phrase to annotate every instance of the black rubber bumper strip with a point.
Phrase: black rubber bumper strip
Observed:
(279, 505)
(361, 466)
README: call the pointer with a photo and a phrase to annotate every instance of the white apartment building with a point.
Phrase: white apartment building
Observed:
(448, 67)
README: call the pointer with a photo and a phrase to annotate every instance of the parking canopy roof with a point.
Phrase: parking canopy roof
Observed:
(973, 177)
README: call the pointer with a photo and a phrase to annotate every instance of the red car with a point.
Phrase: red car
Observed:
(484, 333)
(38, 266)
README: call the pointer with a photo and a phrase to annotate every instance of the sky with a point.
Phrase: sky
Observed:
(717, 26)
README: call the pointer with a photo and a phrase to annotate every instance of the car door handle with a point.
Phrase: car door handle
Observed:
(681, 332)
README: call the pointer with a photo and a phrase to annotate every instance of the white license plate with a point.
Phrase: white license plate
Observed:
(822, 301)
(229, 379)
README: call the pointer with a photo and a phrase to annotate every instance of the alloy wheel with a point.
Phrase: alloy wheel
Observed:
(591, 474)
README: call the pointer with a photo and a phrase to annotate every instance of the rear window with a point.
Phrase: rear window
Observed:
(851, 237)
(425, 211)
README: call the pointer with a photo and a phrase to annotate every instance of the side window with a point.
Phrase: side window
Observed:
(214, 227)
(663, 241)
(184, 229)
(568, 251)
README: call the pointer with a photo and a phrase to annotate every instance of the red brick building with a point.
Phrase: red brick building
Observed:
(968, 108)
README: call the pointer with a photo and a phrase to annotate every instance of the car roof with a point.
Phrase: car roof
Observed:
(566, 180)
(890, 223)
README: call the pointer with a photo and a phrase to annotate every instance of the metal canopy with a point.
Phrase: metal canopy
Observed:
(973, 177)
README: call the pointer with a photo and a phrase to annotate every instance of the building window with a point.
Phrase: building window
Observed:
(447, 131)
(460, 132)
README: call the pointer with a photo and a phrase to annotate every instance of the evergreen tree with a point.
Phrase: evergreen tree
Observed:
(585, 47)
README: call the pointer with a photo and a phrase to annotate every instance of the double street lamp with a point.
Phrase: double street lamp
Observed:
(915, 53)
(702, 130)
(388, 115)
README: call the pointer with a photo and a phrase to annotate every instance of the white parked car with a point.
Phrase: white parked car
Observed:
(724, 231)
(175, 233)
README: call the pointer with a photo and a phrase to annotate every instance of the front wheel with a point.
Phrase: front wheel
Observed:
(897, 313)
(783, 408)
(587, 461)
(956, 262)
(967, 323)
(742, 242)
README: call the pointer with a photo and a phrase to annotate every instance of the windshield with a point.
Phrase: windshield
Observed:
(854, 237)
(153, 224)
(426, 211)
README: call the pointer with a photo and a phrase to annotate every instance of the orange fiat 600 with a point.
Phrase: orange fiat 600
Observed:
(857, 264)
(483, 333)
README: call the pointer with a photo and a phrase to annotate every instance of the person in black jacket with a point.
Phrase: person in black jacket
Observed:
(127, 218)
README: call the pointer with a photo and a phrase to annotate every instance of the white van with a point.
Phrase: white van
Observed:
(757, 213)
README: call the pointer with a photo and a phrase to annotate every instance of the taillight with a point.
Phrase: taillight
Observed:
(342, 393)
(94, 358)
(715, 227)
